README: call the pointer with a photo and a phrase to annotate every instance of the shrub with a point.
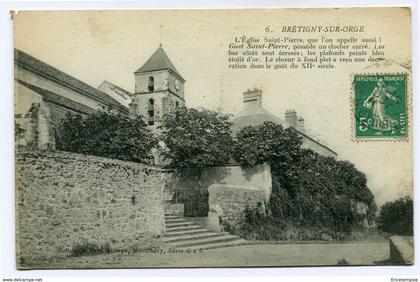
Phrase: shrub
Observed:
(107, 134)
(308, 190)
(397, 217)
(276, 229)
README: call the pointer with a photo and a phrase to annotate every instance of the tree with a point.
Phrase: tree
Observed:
(197, 138)
(397, 217)
(308, 189)
(268, 142)
(280, 147)
(107, 134)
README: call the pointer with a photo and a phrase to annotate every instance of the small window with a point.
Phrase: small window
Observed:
(151, 112)
(151, 84)
(176, 105)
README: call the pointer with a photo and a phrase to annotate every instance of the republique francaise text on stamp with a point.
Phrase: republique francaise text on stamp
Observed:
(380, 106)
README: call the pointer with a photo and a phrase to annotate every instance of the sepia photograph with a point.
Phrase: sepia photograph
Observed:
(213, 138)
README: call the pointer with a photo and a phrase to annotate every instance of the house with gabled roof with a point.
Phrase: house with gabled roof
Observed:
(253, 113)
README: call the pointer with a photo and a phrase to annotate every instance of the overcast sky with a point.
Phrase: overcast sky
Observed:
(99, 46)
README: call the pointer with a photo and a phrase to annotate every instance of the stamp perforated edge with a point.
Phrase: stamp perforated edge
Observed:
(408, 96)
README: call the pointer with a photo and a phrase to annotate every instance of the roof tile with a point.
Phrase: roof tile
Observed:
(158, 61)
(27, 61)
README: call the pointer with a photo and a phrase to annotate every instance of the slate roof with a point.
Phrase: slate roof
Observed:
(159, 61)
(257, 115)
(26, 61)
(114, 87)
(57, 99)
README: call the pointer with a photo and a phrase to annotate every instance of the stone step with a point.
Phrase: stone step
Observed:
(181, 233)
(169, 216)
(192, 236)
(178, 224)
(204, 241)
(173, 220)
(238, 242)
(183, 228)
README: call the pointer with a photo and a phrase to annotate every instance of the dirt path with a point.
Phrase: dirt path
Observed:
(357, 253)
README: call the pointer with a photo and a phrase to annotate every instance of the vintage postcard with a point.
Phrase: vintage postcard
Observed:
(213, 138)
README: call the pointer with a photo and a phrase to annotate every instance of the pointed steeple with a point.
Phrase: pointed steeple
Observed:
(159, 61)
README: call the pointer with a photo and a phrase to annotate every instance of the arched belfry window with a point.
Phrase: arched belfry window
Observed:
(151, 84)
(151, 111)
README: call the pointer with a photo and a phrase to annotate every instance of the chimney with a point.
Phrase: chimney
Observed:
(300, 124)
(252, 98)
(291, 118)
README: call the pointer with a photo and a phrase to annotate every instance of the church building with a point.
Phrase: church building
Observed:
(59, 92)
(159, 90)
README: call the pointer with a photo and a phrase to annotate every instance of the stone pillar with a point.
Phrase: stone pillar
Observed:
(46, 138)
(213, 218)
(39, 130)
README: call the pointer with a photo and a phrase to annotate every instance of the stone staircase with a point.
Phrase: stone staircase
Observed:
(184, 234)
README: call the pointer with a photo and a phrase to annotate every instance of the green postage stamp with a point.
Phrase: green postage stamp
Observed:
(380, 106)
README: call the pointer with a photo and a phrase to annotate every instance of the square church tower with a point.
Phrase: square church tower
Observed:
(159, 89)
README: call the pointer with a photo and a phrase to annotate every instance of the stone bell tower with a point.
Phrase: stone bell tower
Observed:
(159, 89)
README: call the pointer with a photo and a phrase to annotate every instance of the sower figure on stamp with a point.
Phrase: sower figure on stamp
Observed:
(376, 100)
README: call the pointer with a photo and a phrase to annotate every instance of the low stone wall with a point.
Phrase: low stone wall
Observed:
(191, 187)
(228, 203)
(401, 249)
(64, 199)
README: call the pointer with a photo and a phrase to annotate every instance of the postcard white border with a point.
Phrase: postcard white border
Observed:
(7, 263)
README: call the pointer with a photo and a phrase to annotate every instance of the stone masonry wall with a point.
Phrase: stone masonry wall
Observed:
(64, 199)
(257, 176)
(194, 183)
(228, 202)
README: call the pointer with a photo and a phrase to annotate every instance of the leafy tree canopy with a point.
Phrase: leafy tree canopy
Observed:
(397, 217)
(107, 134)
(307, 188)
(268, 142)
(197, 138)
